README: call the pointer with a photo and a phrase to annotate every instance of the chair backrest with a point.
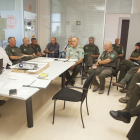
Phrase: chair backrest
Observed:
(87, 84)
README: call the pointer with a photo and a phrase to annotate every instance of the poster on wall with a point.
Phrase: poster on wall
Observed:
(14, 24)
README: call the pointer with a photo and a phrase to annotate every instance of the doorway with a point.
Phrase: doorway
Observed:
(124, 35)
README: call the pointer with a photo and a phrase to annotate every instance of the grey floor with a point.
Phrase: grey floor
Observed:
(99, 125)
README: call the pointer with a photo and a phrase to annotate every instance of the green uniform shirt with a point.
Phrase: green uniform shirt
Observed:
(91, 49)
(27, 50)
(118, 49)
(37, 49)
(13, 51)
(135, 54)
(112, 56)
(75, 53)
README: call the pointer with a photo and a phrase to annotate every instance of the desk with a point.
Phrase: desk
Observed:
(55, 69)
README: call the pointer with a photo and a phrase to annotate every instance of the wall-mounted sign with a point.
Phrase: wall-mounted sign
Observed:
(78, 22)
(30, 7)
(11, 22)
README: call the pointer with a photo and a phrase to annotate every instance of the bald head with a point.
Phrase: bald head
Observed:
(117, 41)
(75, 42)
(108, 46)
(53, 41)
(26, 41)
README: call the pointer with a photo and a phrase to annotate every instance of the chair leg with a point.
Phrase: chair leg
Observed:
(64, 105)
(82, 76)
(87, 106)
(54, 111)
(109, 85)
(82, 116)
(116, 82)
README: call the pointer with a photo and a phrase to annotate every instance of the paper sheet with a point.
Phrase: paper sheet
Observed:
(1, 84)
(138, 84)
(41, 83)
(13, 85)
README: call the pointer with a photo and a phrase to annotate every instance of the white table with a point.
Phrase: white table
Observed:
(55, 69)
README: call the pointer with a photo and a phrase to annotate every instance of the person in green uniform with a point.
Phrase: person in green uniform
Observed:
(133, 92)
(133, 61)
(91, 52)
(36, 47)
(14, 52)
(118, 48)
(74, 52)
(26, 48)
(104, 67)
(134, 133)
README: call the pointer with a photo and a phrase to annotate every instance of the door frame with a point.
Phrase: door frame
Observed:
(120, 25)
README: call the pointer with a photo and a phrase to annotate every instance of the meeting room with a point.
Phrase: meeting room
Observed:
(69, 70)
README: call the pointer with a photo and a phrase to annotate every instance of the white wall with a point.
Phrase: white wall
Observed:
(134, 33)
(112, 26)
(134, 28)
(118, 6)
(136, 6)
(43, 13)
(26, 4)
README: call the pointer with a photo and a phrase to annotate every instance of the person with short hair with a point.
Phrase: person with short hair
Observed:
(36, 47)
(14, 52)
(91, 53)
(104, 67)
(126, 65)
(52, 48)
(26, 48)
(74, 52)
(118, 48)
(63, 52)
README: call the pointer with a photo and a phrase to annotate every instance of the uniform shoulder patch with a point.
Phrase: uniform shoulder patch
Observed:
(112, 55)
(80, 47)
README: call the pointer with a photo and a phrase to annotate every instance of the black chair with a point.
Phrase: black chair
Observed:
(114, 74)
(81, 73)
(67, 94)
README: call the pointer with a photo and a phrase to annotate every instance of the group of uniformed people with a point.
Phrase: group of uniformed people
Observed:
(88, 55)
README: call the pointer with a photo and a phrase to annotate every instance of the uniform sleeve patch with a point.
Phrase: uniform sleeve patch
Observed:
(112, 55)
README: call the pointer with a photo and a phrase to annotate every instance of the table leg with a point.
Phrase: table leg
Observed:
(29, 112)
(63, 79)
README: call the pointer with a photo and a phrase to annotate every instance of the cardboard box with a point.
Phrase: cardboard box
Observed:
(31, 71)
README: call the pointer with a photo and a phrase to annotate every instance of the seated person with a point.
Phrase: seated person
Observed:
(134, 133)
(36, 47)
(104, 67)
(117, 47)
(124, 83)
(91, 54)
(4, 56)
(14, 52)
(74, 52)
(133, 93)
(52, 49)
(63, 52)
(26, 48)
(6, 61)
(125, 65)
